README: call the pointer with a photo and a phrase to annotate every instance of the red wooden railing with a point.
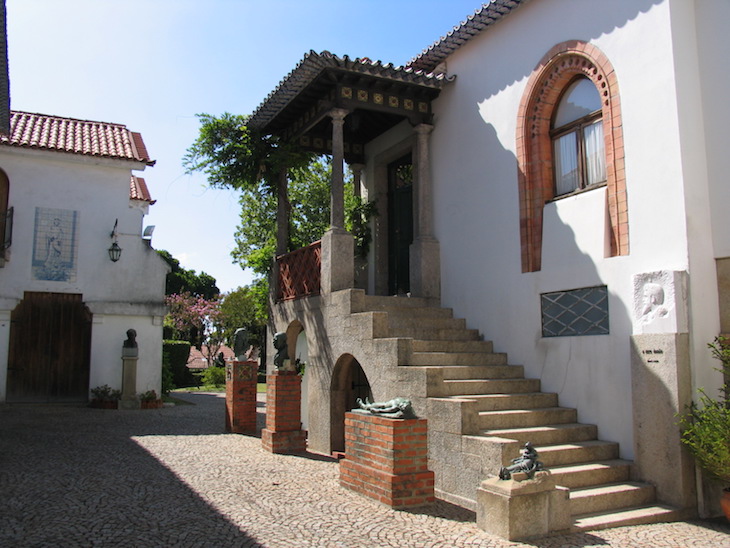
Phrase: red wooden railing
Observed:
(299, 272)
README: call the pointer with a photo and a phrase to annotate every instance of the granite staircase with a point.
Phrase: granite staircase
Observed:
(486, 409)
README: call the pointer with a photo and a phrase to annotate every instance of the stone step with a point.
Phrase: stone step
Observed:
(529, 400)
(628, 516)
(553, 434)
(452, 346)
(591, 474)
(610, 497)
(375, 302)
(422, 333)
(466, 387)
(412, 321)
(406, 313)
(522, 418)
(457, 358)
(479, 372)
(572, 453)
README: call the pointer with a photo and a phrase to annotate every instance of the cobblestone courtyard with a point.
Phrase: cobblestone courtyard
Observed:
(73, 476)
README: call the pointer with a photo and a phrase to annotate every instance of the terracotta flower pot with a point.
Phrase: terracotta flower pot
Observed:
(725, 503)
(151, 404)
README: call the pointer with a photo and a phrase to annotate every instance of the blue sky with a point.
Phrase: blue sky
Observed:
(154, 64)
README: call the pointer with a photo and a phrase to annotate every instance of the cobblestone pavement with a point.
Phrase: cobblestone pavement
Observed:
(73, 476)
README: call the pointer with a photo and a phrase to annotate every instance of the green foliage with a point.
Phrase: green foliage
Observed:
(105, 393)
(358, 213)
(167, 383)
(706, 426)
(150, 395)
(233, 155)
(214, 376)
(175, 355)
(239, 308)
(181, 280)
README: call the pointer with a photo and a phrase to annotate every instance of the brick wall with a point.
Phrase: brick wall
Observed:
(387, 460)
(241, 397)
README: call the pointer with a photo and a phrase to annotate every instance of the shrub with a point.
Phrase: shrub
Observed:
(175, 354)
(214, 376)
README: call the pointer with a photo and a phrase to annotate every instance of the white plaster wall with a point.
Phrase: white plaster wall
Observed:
(107, 336)
(711, 18)
(128, 293)
(474, 171)
(302, 353)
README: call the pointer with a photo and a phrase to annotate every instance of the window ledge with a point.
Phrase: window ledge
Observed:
(579, 191)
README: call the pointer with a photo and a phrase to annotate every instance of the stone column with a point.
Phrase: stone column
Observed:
(425, 256)
(338, 247)
(357, 178)
(337, 201)
(129, 379)
(361, 277)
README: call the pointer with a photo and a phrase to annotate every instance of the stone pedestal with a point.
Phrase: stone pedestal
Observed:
(129, 380)
(338, 261)
(283, 432)
(516, 510)
(387, 460)
(661, 387)
(241, 397)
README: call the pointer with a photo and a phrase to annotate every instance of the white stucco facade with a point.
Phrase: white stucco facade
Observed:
(94, 192)
(665, 57)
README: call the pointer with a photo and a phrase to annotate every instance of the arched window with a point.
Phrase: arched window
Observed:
(570, 137)
(579, 155)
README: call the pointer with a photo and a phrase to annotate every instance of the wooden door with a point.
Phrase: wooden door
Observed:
(50, 347)
(400, 224)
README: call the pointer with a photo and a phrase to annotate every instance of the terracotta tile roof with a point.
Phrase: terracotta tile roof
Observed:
(196, 359)
(88, 138)
(315, 64)
(138, 190)
(490, 13)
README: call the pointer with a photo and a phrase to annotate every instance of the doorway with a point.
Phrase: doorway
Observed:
(50, 349)
(400, 224)
(349, 383)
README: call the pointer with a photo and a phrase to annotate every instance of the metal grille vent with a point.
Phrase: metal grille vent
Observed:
(575, 312)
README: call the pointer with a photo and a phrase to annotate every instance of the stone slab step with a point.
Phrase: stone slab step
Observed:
(376, 302)
(452, 346)
(529, 400)
(553, 434)
(611, 497)
(410, 322)
(477, 372)
(591, 474)
(573, 453)
(466, 387)
(521, 418)
(434, 334)
(457, 358)
(418, 313)
(629, 516)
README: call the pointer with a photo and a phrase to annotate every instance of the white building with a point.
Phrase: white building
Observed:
(552, 172)
(67, 196)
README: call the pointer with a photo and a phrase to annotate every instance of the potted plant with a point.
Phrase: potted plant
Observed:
(149, 400)
(103, 397)
(706, 427)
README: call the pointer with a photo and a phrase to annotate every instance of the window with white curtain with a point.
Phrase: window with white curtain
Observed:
(579, 157)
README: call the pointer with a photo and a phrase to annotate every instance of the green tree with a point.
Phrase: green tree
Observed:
(241, 308)
(181, 280)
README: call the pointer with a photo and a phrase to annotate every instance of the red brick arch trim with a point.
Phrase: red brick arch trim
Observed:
(534, 150)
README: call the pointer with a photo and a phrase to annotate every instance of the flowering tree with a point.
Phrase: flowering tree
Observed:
(196, 319)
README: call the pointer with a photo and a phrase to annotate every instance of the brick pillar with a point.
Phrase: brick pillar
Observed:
(241, 397)
(387, 460)
(283, 432)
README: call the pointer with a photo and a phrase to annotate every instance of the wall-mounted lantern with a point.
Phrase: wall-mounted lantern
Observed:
(115, 251)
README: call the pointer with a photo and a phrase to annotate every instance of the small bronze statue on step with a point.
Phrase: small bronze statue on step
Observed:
(526, 463)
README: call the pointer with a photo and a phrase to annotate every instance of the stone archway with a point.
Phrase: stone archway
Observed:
(349, 382)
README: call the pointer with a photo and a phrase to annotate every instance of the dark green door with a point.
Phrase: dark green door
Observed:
(400, 224)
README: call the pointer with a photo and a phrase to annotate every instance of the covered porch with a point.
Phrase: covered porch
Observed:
(338, 107)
